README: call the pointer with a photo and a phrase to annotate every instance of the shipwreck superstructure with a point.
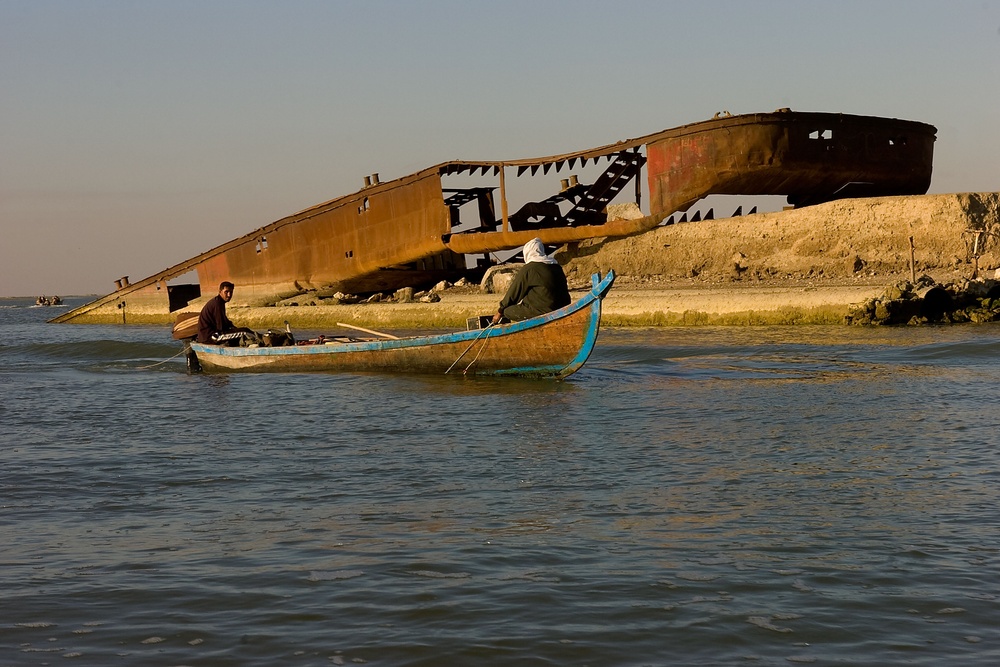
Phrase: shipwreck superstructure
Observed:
(445, 220)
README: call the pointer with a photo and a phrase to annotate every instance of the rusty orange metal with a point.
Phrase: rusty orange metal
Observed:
(408, 231)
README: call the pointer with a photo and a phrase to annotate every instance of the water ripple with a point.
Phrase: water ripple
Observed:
(703, 496)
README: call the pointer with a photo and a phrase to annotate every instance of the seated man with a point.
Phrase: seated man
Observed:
(538, 288)
(212, 322)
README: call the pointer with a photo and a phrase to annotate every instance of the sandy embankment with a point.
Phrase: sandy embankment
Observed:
(798, 266)
(804, 265)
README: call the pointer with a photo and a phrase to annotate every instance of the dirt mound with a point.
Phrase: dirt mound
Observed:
(846, 239)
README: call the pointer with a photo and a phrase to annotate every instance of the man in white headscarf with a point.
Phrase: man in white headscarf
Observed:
(538, 288)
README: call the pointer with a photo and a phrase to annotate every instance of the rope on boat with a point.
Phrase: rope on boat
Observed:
(474, 341)
(142, 368)
(486, 341)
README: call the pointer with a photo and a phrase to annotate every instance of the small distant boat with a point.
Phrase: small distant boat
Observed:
(553, 345)
(48, 301)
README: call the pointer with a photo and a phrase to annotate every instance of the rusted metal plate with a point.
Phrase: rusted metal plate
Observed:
(393, 223)
(810, 157)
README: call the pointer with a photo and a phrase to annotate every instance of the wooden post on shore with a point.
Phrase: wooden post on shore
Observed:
(913, 268)
(975, 255)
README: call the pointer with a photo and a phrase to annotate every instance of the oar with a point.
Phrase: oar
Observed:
(474, 340)
(368, 331)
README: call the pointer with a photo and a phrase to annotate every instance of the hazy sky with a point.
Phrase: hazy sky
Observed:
(136, 134)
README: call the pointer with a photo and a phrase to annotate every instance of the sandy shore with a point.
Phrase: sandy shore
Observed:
(727, 305)
(627, 305)
(631, 303)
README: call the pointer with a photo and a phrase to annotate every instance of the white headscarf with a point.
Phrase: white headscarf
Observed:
(534, 251)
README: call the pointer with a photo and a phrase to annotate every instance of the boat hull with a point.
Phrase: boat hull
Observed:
(554, 345)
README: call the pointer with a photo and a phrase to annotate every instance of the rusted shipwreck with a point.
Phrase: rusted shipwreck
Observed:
(444, 221)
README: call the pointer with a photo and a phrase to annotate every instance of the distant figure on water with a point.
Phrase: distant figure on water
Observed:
(538, 288)
(212, 322)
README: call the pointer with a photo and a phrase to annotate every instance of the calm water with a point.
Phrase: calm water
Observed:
(698, 496)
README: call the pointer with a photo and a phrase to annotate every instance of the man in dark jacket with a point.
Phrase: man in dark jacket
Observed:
(538, 288)
(212, 319)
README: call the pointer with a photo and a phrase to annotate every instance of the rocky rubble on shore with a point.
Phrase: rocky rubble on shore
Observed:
(495, 281)
(403, 295)
(926, 302)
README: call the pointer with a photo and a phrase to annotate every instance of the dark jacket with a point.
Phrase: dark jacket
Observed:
(213, 320)
(539, 288)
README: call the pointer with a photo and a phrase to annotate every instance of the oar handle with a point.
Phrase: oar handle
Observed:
(368, 331)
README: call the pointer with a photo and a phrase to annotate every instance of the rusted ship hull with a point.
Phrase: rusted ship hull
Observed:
(416, 230)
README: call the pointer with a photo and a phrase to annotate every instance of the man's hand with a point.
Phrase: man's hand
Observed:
(496, 318)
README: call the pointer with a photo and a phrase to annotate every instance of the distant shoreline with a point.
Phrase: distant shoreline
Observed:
(69, 296)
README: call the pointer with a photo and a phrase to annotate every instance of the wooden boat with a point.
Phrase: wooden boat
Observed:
(553, 345)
